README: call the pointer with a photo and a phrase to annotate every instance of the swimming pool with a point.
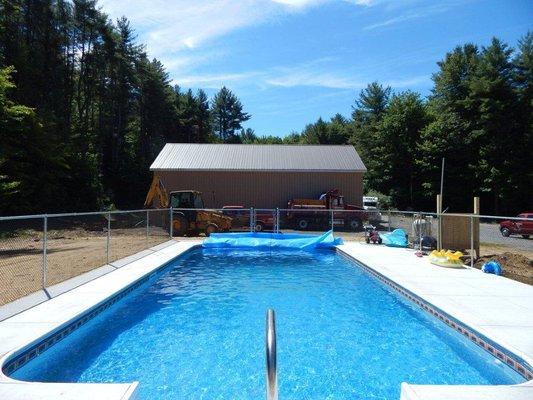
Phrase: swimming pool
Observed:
(196, 330)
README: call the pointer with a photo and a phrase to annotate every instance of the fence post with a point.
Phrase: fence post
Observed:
(147, 223)
(277, 219)
(388, 217)
(471, 241)
(251, 219)
(108, 236)
(45, 245)
(439, 216)
(171, 215)
(331, 216)
(420, 219)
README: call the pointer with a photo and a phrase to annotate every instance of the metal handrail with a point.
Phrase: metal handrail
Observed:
(271, 357)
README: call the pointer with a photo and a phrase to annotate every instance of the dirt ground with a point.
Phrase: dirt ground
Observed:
(69, 254)
(514, 266)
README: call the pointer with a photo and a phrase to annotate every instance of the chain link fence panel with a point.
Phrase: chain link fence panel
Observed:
(75, 245)
(21, 258)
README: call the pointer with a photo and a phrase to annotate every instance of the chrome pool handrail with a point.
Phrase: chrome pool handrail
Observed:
(271, 357)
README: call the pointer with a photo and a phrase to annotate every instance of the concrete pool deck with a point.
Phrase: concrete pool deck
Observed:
(498, 308)
(29, 327)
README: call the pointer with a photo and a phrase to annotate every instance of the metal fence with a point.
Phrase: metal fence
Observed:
(39, 251)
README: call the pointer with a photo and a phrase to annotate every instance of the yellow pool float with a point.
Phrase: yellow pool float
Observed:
(446, 258)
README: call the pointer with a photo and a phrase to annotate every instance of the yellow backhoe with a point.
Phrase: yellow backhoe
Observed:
(188, 213)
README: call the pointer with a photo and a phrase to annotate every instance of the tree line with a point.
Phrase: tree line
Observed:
(478, 118)
(84, 111)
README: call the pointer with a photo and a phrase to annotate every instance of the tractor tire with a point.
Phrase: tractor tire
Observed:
(259, 227)
(211, 228)
(354, 225)
(302, 224)
(180, 225)
(505, 232)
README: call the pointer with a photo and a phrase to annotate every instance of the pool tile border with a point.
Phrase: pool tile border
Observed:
(512, 360)
(27, 354)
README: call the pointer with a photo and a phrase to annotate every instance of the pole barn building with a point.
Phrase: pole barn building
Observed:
(260, 176)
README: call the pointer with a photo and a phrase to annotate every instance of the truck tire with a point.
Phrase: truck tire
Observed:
(505, 232)
(354, 224)
(211, 228)
(180, 225)
(302, 224)
(259, 227)
(525, 236)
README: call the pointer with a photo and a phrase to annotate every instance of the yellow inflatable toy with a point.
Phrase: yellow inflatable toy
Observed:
(446, 258)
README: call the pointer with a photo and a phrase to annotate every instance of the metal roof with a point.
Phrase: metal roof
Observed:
(257, 157)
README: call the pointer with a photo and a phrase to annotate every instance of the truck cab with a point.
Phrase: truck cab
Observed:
(371, 204)
(314, 212)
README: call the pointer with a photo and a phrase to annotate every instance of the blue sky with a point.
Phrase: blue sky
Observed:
(293, 61)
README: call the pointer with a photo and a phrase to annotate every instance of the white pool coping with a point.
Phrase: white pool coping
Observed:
(29, 327)
(498, 308)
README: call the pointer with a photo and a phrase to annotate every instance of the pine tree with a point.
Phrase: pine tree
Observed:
(227, 115)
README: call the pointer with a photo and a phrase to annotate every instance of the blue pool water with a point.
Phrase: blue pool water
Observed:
(197, 331)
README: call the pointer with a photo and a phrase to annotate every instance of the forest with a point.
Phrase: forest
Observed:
(84, 111)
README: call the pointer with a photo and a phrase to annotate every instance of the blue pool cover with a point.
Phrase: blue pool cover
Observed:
(272, 240)
(396, 238)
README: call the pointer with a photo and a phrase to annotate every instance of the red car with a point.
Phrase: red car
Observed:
(241, 218)
(522, 227)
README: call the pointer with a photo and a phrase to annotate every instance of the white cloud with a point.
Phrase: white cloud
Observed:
(315, 73)
(182, 33)
(298, 3)
(175, 25)
(415, 12)
(215, 81)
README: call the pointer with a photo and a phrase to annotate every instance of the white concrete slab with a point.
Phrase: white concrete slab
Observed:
(463, 392)
(71, 283)
(10, 309)
(67, 391)
(498, 308)
(30, 326)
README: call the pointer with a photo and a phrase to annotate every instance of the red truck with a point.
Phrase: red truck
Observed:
(522, 227)
(305, 213)
(241, 218)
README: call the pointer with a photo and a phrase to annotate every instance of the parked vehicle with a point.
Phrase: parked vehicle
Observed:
(522, 227)
(241, 218)
(372, 235)
(186, 221)
(371, 204)
(305, 213)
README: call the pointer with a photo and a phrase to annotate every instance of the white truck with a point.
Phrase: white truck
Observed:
(371, 205)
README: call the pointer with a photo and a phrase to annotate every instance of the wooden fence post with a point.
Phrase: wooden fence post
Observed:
(439, 221)
(476, 226)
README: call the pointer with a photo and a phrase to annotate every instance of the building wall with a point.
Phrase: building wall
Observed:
(263, 189)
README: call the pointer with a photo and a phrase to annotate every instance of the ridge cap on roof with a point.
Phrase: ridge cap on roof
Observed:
(263, 144)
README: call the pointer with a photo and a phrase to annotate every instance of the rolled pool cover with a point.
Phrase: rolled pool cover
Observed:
(397, 238)
(272, 240)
